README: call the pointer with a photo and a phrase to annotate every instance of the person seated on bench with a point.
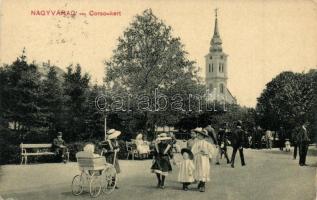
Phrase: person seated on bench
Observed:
(59, 147)
(142, 146)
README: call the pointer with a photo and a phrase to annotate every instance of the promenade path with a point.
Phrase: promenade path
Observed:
(269, 174)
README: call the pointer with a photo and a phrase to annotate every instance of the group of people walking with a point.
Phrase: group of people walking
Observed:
(194, 166)
(196, 158)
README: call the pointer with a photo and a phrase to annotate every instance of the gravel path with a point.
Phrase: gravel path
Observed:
(269, 174)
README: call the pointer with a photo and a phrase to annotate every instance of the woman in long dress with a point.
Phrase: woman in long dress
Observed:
(161, 164)
(111, 147)
(203, 152)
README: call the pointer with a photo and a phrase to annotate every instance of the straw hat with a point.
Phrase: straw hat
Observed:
(201, 131)
(113, 133)
(163, 136)
(139, 136)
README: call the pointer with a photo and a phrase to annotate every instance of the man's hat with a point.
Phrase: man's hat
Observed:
(239, 123)
(190, 153)
(59, 134)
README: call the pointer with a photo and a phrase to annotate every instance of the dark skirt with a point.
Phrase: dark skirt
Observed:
(109, 159)
(161, 165)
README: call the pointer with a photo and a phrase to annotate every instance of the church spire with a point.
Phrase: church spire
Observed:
(216, 31)
(216, 40)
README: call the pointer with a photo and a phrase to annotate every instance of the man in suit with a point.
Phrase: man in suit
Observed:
(281, 137)
(237, 142)
(59, 147)
(303, 142)
(222, 138)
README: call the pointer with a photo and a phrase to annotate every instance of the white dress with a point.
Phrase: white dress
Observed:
(186, 171)
(142, 147)
(203, 152)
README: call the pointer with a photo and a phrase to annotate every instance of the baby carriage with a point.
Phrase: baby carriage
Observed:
(96, 176)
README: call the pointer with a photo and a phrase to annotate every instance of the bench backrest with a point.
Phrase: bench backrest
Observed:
(30, 146)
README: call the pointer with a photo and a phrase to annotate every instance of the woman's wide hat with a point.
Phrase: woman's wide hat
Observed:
(201, 131)
(163, 136)
(113, 133)
(189, 152)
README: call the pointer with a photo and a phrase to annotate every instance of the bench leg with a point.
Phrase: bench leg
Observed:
(22, 158)
(25, 160)
(67, 154)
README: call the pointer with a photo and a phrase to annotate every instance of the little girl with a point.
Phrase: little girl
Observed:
(186, 168)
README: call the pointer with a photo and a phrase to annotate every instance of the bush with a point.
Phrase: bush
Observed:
(10, 150)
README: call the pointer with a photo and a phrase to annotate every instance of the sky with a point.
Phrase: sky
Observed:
(261, 37)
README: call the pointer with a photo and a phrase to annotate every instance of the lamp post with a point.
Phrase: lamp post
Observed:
(105, 127)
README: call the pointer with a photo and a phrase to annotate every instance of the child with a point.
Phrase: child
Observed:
(161, 163)
(186, 168)
(287, 145)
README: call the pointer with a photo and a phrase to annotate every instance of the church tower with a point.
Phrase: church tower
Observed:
(217, 69)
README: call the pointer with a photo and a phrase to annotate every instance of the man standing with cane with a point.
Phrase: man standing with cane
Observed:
(237, 142)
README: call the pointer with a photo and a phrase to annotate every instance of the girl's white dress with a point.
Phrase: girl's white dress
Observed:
(142, 147)
(186, 171)
(202, 151)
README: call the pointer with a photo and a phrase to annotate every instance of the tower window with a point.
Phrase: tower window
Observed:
(210, 57)
(209, 67)
(219, 67)
(221, 88)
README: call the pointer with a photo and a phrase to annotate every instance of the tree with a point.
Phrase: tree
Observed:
(52, 100)
(149, 58)
(287, 101)
(94, 118)
(20, 94)
(76, 87)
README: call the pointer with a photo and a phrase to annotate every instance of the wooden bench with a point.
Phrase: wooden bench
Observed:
(37, 150)
(131, 150)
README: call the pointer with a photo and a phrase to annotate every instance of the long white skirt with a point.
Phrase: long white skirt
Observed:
(202, 168)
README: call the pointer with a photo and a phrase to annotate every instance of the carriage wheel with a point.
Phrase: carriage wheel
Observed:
(77, 185)
(95, 186)
(109, 180)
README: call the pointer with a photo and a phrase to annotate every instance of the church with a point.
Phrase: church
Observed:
(217, 70)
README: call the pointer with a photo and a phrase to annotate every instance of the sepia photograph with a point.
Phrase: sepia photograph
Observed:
(158, 100)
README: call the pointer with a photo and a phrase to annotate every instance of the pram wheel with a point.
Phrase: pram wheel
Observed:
(77, 185)
(95, 186)
(109, 178)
